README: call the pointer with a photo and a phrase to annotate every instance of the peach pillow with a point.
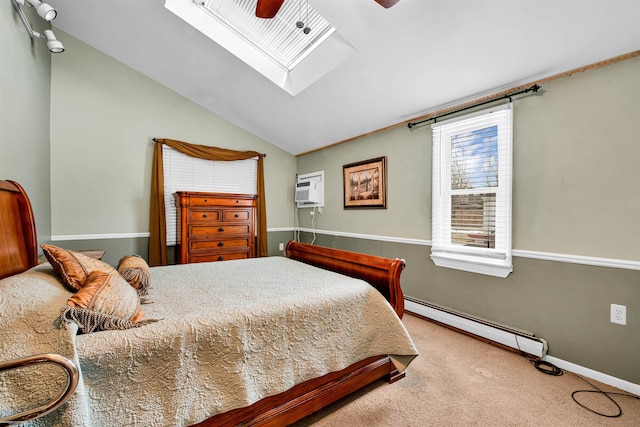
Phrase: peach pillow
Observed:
(105, 302)
(73, 268)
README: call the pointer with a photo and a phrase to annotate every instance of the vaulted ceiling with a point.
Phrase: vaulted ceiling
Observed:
(411, 59)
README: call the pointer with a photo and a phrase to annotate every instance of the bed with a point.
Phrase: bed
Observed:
(266, 341)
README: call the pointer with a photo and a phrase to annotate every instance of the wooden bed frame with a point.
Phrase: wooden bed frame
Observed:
(19, 252)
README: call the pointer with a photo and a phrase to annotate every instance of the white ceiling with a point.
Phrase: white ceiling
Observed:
(411, 59)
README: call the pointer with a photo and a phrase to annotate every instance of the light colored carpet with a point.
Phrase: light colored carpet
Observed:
(461, 381)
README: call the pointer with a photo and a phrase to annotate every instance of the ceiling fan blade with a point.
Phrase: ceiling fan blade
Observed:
(268, 8)
(385, 3)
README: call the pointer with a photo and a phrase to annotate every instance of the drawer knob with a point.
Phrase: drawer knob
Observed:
(220, 243)
(221, 229)
(220, 258)
(236, 215)
(206, 200)
(204, 215)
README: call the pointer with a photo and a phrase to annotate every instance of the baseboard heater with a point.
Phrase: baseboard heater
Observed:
(517, 339)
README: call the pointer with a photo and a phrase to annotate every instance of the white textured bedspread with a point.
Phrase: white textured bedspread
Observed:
(230, 334)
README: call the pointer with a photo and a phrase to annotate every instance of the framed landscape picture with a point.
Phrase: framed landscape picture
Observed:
(365, 184)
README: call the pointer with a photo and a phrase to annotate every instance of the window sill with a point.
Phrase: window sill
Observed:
(472, 265)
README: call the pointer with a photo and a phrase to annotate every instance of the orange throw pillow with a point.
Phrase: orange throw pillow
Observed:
(73, 268)
(105, 302)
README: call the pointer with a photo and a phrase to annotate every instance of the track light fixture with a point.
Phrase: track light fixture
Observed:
(47, 13)
(54, 45)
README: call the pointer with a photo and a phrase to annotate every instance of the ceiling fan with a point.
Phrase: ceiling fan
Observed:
(269, 8)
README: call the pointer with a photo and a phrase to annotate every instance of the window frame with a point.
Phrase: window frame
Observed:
(489, 261)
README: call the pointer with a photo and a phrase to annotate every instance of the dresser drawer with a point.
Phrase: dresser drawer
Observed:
(236, 215)
(218, 257)
(212, 244)
(215, 226)
(218, 230)
(205, 215)
(211, 201)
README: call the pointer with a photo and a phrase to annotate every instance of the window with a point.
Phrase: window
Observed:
(185, 173)
(472, 165)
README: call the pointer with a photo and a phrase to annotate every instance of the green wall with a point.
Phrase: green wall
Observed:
(24, 111)
(576, 192)
(103, 118)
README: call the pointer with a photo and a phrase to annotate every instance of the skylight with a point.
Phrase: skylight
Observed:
(280, 38)
(291, 55)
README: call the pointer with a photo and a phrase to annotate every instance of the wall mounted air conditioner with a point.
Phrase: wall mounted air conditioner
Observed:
(308, 192)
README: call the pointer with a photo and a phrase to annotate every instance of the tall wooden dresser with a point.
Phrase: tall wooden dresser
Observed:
(214, 226)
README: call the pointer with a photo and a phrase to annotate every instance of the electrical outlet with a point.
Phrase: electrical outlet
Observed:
(618, 314)
(281, 246)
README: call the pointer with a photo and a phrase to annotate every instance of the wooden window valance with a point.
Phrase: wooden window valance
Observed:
(157, 220)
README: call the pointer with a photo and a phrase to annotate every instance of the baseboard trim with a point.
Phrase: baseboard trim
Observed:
(480, 328)
(505, 336)
(595, 375)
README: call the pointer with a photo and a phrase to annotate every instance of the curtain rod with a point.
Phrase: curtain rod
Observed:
(156, 140)
(533, 88)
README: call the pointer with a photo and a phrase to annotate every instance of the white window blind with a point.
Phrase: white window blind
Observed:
(472, 168)
(186, 173)
(279, 38)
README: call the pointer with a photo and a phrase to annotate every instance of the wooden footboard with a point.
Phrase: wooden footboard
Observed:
(308, 397)
(382, 273)
(313, 395)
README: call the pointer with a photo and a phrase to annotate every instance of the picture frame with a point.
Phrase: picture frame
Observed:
(365, 184)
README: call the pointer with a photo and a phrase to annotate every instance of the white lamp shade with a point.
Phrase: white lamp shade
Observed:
(54, 45)
(46, 12)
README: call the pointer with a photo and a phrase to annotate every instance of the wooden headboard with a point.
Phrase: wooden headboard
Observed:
(18, 238)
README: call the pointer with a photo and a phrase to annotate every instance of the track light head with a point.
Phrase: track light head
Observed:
(54, 45)
(46, 11)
